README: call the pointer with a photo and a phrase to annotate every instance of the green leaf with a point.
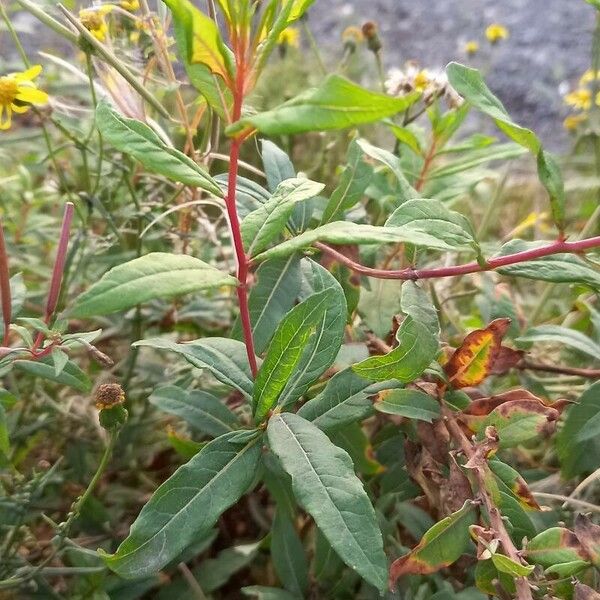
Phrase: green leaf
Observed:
(336, 104)
(273, 295)
(442, 545)
(59, 360)
(554, 546)
(186, 506)
(264, 224)
(578, 457)
(353, 182)
(200, 75)
(199, 409)
(379, 304)
(433, 218)
(407, 137)
(355, 442)
(4, 435)
(392, 162)
(323, 347)
(416, 349)
(205, 45)
(138, 140)
(226, 359)
(556, 334)
(325, 485)
(285, 350)
(470, 84)
(277, 164)
(155, 275)
(416, 303)
(558, 268)
(70, 375)
(288, 556)
(412, 404)
(346, 232)
(509, 566)
(345, 398)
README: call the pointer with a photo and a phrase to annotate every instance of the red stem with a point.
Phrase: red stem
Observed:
(230, 201)
(5, 296)
(557, 247)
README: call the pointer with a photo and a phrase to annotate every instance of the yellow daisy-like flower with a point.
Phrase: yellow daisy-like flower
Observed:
(289, 37)
(580, 99)
(572, 122)
(130, 5)
(93, 20)
(471, 47)
(17, 89)
(496, 32)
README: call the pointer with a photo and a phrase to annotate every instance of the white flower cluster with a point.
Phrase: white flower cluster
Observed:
(432, 83)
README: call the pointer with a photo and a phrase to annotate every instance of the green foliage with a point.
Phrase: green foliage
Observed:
(345, 364)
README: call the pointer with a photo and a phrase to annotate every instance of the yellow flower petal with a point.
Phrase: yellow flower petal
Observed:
(19, 109)
(28, 75)
(32, 95)
(5, 124)
(496, 32)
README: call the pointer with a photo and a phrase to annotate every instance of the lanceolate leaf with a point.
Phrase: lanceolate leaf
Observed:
(201, 410)
(336, 104)
(416, 303)
(200, 75)
(559, 268)
(347, 232)
(472, 361)
(226, 359)
(412, 404)
(70, 375)
(442, 545)
(554, 546)
(346, 398)
(264, 224)
(325, 485)
(577, 457)
(286, 349)
(156, 275)
(556, 334)
(470, 84)
(416, 349)
(205, 45)
(138, 140)
(287, 553)
(273, 295)
(433, 218)
(186, 506)
(324, 345)
(353, 183)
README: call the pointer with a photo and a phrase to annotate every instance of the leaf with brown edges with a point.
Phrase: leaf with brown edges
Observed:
(474, 359)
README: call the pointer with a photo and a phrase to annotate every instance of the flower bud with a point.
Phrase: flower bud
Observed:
(369, 30)
(109, 400)
(352, 37)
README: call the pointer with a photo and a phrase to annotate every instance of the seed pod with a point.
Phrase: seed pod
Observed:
(371, 34)
(109, 400)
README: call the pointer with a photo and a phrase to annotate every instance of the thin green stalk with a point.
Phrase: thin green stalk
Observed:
(313, 46)
(47, 20)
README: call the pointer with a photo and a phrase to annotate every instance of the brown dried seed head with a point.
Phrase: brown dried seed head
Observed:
(109, 395)
(369, 29)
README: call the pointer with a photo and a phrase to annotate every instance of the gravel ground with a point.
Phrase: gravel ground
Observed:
(549, 45)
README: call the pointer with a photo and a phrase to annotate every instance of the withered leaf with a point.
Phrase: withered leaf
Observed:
(588, 534)
(473, 360)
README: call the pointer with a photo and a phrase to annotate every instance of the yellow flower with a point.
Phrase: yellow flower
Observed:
(130, 5)
(17, 88)
(93, 20)
(422, 80)
(289, 37)
(572, 122)
(471, 47)
(588, 77)
(496, 32)
(580, 99)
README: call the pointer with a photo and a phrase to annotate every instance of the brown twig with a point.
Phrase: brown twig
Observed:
(535, 366)
(482, 471)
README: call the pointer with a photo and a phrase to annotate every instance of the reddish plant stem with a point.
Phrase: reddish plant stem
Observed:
(5, 296)
(576, 371)
(430, 156)
(556, 247)
(230, 201)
